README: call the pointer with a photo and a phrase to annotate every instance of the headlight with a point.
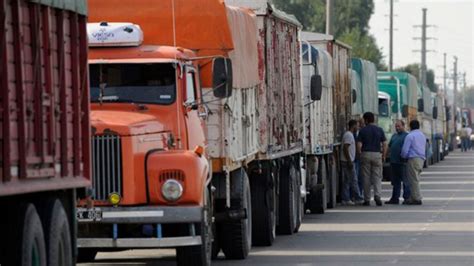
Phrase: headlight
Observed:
(172, 190)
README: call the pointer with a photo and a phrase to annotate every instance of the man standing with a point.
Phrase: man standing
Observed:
(349, 184)
(414, 150)
(398, 165)
(371, 144)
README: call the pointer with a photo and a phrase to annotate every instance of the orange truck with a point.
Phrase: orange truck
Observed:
(197, 127)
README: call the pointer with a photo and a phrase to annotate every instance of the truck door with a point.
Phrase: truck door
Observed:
(194, 124)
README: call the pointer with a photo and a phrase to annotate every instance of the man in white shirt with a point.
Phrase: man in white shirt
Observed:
(349, 184)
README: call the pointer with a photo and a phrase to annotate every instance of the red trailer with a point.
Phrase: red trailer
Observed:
(44, 129)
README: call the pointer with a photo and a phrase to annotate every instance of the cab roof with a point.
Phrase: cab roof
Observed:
(140, 53)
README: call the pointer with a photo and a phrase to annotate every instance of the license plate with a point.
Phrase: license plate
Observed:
(89, 215)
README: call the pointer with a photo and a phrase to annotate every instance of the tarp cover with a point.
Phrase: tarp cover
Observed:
(355, 85)
(368, 85)
(408, 80)
(78, 6)
(243, 26)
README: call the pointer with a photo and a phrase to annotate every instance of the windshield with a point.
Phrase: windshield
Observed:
(383, 107)
(133, 83)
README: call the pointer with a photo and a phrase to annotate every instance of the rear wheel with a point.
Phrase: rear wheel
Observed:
(199, 255)
(25, 237)
(237, 235)
(58, 235)
(299, 203)
(263, 209)
(287, 201)
(317, 198)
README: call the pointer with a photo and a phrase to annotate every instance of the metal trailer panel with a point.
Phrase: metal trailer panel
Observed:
(280, 108)
(368, 94)
(44, 100)
(342, 100)
(318, 118)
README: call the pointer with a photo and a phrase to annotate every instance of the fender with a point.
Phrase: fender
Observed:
(185, 166)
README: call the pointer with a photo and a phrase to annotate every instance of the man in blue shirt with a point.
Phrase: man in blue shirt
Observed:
(398, 164)
(372, 147)
(414, 150)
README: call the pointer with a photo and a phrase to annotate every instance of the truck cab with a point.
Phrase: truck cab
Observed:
(385, 114)
(150, 169)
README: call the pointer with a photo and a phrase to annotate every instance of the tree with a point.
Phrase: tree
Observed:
(351, 23)
(364, 46)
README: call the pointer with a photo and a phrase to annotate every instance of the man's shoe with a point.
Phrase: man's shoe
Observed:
(378, 202)
(366, 203)
(347, 203)
(413, 202)
(391, 201)
(359, 202)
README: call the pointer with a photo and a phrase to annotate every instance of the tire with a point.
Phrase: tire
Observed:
(287, 203)
(199, 255)
(332, 181)
(26, 240)
(86, 254)
(58, 235)
(299, 203)
(236, 239)
(263, 209)
(317, 198)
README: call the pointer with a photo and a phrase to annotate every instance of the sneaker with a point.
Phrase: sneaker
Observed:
(366, 203)
(347, 203)
(359, 202)
(391, 201)
(378, 202)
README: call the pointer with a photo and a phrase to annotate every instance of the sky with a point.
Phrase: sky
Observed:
(451, 24)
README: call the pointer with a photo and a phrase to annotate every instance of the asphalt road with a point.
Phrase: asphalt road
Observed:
(439, 232)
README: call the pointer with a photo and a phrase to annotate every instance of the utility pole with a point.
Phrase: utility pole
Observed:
(455, 81)
(444, 75)
(390, 60)
(463, 94)
(423, 49)
(329, 17)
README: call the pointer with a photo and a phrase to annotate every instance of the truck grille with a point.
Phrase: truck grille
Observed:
(106, 166)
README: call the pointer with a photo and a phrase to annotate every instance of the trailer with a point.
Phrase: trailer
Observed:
(364, 88)
(323, 163)
(45, 130)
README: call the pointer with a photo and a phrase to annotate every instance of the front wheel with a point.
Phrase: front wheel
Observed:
(237, 235)
(199, 255)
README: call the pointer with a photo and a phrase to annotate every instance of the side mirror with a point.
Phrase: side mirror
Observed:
(222, 77)
(354, 96)
(405, 110)
(316, 87)
(435, 112)
(421, 105)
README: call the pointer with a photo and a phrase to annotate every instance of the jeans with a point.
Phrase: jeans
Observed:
(465, 143)
(349, 185)
(371, 167)
(360, 179)
(399, 176)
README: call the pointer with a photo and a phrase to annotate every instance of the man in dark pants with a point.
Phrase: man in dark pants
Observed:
(372, 147)
(398, 164)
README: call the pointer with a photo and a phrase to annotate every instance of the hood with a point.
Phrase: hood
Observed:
(126, 123)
